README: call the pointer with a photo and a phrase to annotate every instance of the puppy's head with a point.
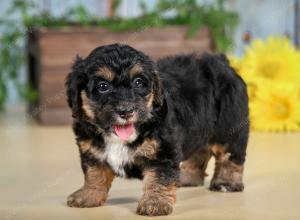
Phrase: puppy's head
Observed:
(116, 87)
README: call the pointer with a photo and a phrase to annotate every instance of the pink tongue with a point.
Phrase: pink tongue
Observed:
(124, 131)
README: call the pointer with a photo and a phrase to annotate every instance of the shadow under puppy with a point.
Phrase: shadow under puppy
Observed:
(160, 122)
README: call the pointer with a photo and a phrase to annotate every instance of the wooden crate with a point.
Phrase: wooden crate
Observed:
(52, 51)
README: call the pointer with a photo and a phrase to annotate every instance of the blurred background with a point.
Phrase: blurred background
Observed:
(39, 40)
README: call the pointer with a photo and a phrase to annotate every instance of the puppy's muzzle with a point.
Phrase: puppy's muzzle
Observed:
(125, 111)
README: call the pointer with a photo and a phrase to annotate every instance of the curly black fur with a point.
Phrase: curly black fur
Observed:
(198, 102)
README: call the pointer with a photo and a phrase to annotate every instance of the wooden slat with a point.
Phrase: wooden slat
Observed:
(55, 116)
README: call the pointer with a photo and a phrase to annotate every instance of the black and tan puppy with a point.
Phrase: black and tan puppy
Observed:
(160, 122)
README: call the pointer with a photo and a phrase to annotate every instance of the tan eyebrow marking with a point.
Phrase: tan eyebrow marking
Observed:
(136, 69)
(106, 73)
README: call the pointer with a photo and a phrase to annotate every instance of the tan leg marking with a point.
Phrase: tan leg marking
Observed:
(192, 170)
(84, 146)
(157, 199)
(147, 149)
(94, 193)
(228, 176)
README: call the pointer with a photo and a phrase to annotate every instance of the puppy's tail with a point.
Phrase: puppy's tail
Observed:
(231, 102)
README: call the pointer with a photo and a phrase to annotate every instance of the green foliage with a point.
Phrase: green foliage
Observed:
(221, 22)
(167, 12)
(116, 4)
(12, 53)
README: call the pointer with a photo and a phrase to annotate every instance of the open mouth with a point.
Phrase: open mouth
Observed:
(124, 131)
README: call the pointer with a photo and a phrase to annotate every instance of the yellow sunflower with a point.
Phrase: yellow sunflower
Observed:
(254, 84)
(275, 59)
(235, 62)
(238, 64)
(276, 108)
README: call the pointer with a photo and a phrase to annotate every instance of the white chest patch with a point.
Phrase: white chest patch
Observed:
(116, 154)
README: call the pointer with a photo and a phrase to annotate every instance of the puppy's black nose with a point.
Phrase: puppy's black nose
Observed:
(125, 112)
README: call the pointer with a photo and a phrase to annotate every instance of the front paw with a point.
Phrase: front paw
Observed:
(86, 197)
(153, 206)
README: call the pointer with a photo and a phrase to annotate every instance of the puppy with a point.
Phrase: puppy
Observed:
(160, 122)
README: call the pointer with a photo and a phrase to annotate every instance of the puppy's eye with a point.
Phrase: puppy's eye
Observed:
(138, 82)
(103, 86)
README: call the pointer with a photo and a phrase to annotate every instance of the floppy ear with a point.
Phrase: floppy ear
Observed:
(75, 83)
(157, 90)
